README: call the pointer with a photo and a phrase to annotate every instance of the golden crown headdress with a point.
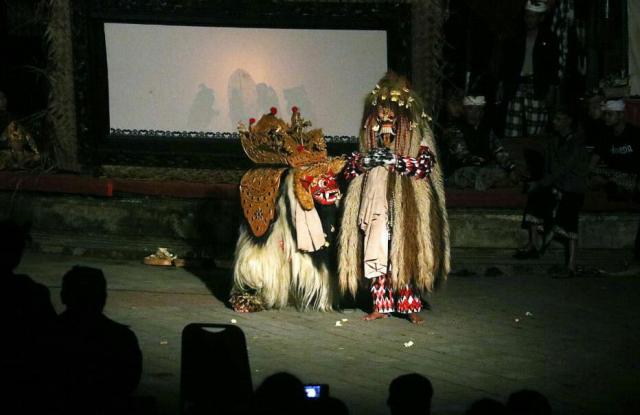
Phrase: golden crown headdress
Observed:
(272, 141)
(394, 90)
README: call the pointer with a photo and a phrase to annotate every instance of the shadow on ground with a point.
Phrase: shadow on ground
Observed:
(217, 280)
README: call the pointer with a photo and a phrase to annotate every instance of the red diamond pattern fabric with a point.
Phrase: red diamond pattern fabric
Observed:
(384, 302)
(408, 302)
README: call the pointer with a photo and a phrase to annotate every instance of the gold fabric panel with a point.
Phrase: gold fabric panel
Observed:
(259, 189)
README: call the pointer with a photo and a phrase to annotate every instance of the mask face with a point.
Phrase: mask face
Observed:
(386, 120)
(324, 188)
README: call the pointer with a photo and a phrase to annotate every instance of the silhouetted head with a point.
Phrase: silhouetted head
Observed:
(410, 393)
(534, 13)
(13, 240)
(594, 106)
(324, 406)
(528, 402)
(84, 289)
(614, 112)
(281, 393)
(453, 104)
(486, 406)
(532, 20)
(474, 109)
(564, 120)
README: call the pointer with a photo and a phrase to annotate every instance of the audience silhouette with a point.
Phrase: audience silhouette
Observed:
(99, 359)
(26, 315)
(486, 406)
(327, 405)
(411, 393)
(280, 393)
(96, 363)
(528, 402)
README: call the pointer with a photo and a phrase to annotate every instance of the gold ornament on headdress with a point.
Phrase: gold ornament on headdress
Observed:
(393, 94)
(272, 141)
(274, 144)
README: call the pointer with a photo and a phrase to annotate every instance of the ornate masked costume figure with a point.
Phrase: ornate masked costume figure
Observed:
(394, 229)
(21, 150)
(285, 248)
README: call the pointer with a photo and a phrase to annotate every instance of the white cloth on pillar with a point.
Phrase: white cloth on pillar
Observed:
(372, 219)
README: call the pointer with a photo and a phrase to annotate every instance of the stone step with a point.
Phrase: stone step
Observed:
(477, 262)
(465, 261)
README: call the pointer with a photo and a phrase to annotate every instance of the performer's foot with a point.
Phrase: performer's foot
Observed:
(245, 303)
(241, 309)
(375, 316)
(415, 318)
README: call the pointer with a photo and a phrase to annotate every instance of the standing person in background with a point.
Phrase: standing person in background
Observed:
(530, 74)
(555, 201)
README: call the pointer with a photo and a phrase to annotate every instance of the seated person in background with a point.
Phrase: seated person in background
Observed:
(476, 157)
(616, 159)
(17, 148)
(99, 360)
(593, 123)
(555, 200)
(454, 108)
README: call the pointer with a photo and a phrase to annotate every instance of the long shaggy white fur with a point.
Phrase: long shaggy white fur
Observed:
(276, 270)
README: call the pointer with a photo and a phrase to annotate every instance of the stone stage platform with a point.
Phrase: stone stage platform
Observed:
(575, 340)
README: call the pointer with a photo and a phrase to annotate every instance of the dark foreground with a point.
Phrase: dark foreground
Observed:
(575, 340)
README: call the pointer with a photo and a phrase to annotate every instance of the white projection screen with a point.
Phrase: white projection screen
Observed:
(206, 79)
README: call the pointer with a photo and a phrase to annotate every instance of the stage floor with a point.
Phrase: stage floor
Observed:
(575, 340)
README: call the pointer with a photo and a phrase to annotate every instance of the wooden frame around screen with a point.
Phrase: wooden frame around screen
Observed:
(99, 145)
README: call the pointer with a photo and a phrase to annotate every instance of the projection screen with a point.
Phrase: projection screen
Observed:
(206, 79)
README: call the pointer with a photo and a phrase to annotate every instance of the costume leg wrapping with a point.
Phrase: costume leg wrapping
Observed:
(382, 295)
(408, 302)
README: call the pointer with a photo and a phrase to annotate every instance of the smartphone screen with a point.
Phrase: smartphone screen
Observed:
(315, 391)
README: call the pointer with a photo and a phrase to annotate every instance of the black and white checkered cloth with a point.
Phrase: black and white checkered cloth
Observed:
(563, 20)
(526, 116)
